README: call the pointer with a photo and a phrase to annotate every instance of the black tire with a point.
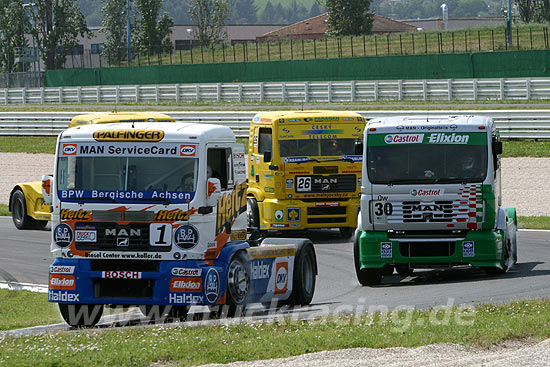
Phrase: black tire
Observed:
(305, 274)
(253, 218)
(366, 277)
(346, 232)
(77, 315)
(492, 271)
(403, 270)
(238, 283)
(19, 211)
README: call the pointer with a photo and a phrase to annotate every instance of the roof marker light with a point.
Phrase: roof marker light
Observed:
(372, 129)
(481, 127)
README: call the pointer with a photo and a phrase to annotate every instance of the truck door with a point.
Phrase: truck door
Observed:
(263, 153)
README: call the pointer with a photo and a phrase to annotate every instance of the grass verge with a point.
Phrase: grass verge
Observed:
(481, 326)
(534, 222)
(19, 309)
(4, 210)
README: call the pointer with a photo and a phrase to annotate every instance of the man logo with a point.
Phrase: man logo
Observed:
(188, 150)
(69, 149)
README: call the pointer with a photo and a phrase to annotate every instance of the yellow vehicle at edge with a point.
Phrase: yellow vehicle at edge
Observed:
(26, 204)
(304, 171)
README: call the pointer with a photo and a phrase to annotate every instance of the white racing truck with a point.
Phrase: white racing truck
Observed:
(154, 215)
(431, 198)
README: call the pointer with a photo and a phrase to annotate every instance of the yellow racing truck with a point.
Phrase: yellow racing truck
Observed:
(26, 203)
(304, 171)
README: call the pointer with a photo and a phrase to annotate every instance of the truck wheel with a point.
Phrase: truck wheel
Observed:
(77, 315)
(253, 218)
(238, 283)
(491, 271)
(365, 276)
(346, 232)
(303, 284)
(19, 211)
(404, 270)
(179, 312)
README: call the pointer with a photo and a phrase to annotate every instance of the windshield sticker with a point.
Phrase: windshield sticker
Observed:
(442, 138)
(131, 150)
(295, 159)
(110, 196)
(404, 138)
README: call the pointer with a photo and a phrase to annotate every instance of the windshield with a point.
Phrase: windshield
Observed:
(127, 179)
(422, 163)
(312, 147)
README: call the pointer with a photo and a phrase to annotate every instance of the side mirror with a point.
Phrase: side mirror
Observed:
(47, 181)
(213, 191)
(267, 156)
(497, 147)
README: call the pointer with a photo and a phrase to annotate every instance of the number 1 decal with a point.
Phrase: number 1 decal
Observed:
(160, 234)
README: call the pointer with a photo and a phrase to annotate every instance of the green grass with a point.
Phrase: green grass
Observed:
(27, 144)
(4, 210)
(20, 309)
(482, 326)
(534, 222)
(526, 148)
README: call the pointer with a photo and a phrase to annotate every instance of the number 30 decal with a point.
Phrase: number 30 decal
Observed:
(160, 234)
(382, 209)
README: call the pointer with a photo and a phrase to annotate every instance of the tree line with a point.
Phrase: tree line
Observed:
(55, 26)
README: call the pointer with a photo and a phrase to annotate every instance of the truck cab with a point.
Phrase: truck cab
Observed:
(431, 197)
(153, 214)
(304, 170)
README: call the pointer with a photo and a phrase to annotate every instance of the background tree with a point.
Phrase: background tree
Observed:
(13, 25)
(209, 17)
(349, 17)
(242, 12)
(115, 27)
(57, 24)
(152, 32)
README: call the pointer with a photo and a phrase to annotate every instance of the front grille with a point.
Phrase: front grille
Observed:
(326, 220)
(126, 265)
(124, 288)
(134, 216)
(416, 211)
(427, 249)
(135, 237)
(107, 215)
(324, 184)
(427, 234)
(327, 210)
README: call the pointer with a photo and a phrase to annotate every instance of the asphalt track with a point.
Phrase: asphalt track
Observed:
(24, 258)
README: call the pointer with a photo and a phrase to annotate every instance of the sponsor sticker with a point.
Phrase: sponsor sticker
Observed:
(294, 159)
(212, 285)
(64, 282)
(75, 214)
(404, 138)
(468, 249)
(186, 236)
(239, 235)
(259, 270)
(279, 216)
(61, 269)
(59, 296)
(187, 284)
(443, 138)
(187, 272)
(129, 135)
(188, 150)
(85, 233)
(281, 277)
(185, 298)
(385, 250)
(289, 183)
(121, 274)
(69, 149)
(63, 235)
(427, 192)
(293, 214)
(327, 204)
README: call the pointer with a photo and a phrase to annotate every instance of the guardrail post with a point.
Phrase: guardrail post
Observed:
(283, 92)
(42, 95)
(178, 90)
(329, 92)
(352, 91)
(240, 89)
(528, 88)
(98, 94)
(79, 94)
(138, 93)
(449, 90)
(424, 90)
(376, 90)
(262, 96)
(219, 92)
(117, 94)
(197, 92)
(60, 95)
(306, 92)
(501, 89)
(24, 95)
(474, 89)
(400, 89)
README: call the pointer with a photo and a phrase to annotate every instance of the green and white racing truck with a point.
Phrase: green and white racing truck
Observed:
(431, 198)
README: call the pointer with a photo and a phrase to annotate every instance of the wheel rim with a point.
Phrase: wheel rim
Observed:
(238, 281)
(307, 275)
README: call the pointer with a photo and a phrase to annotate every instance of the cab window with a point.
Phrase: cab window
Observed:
(220, 166)
(265, 141)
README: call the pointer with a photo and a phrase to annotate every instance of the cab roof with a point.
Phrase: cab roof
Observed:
(172, 131)
(300, 116)
(467, 122)
(110, 117)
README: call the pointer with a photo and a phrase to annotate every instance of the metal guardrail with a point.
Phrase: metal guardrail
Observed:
(308, 92)
(512, 124)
